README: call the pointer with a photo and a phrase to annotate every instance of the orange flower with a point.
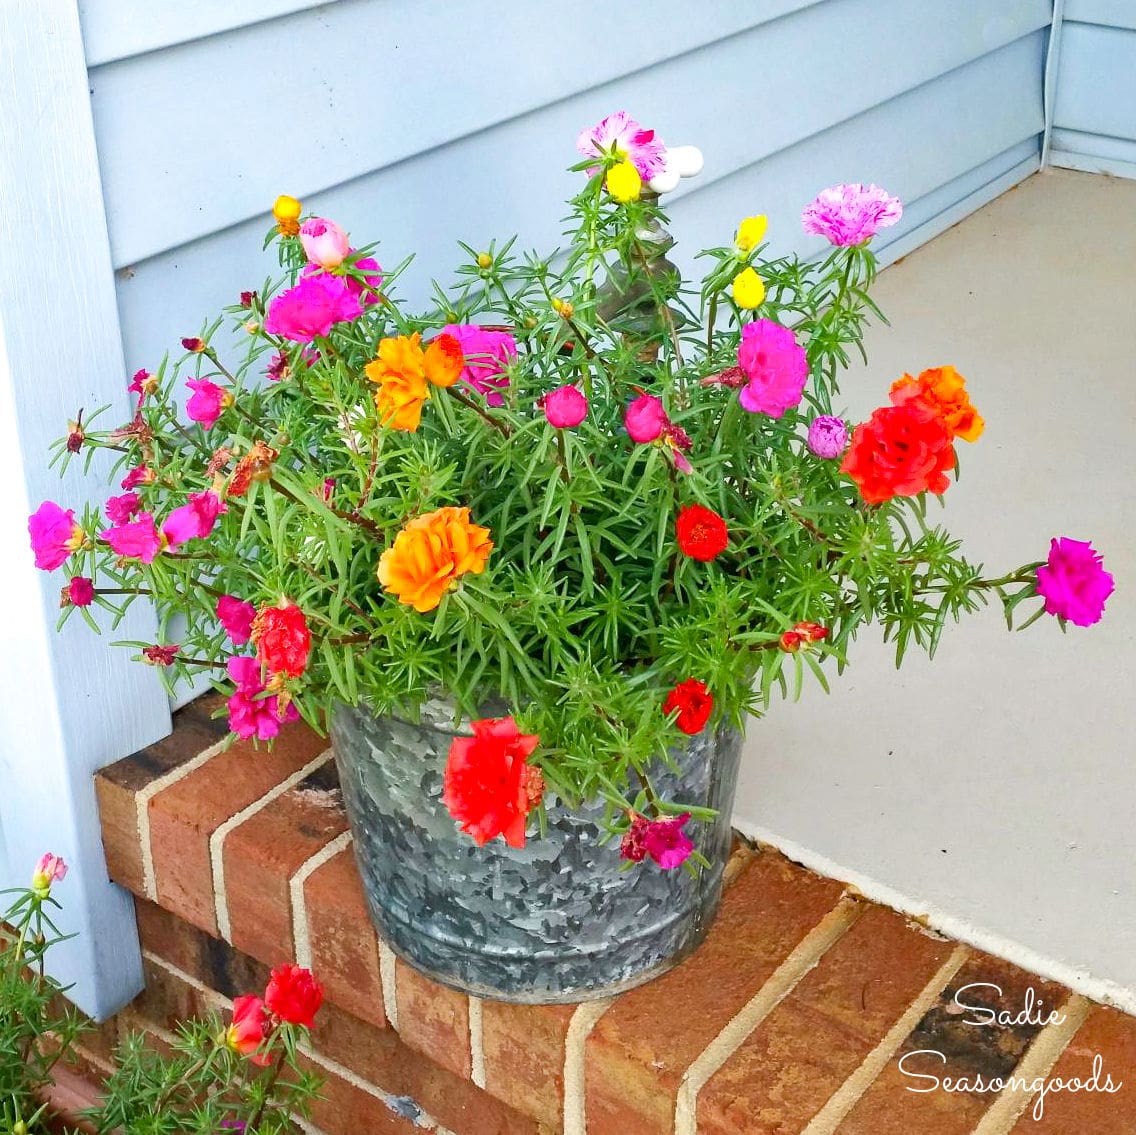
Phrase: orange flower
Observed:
(256, 465)
(430, 554)
(400, 371)
(444, 360)
(943, 391)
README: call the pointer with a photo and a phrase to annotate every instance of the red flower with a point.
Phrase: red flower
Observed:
(293, 994)
(282, 639)
(694, 704)
(488, 786)
(196, 345)
(900, 452)
(160, 655)
(701, 533)
(249, 1028)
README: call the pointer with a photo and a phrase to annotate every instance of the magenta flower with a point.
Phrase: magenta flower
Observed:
(851, 214)
(80, 591)
(365, 290)
(142, 383)
(487, 353)
(139, 475)
(312, 307)
(325, 243)
(775, 365)
(663, 840)
(620, 136)
(194, 520)
(236, 616)
(208, 402)
(54, 535)
(251, 715)
(828, 436)
(565, 407)
(121, 509)
(678, 444)
(138, 540)
(645, 419)
(1073, 581)
(49, 869)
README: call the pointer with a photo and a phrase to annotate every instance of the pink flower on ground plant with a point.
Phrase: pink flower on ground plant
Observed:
(312, 307)
(236, 616)
(49, 869)
(54, 535)
(487, 352)
(565, 407)
(663, 840)
(138, 540)
(645, 419)
(325, 243)
(1073, 581)
(194, 520)
(621, 137)
(207, 403)
(775, 365)
(250, 714)
(851, 214)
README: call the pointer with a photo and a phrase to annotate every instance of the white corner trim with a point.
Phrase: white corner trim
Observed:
(579, 1029)
(476, 1043)
(301, 936)
(390, 985)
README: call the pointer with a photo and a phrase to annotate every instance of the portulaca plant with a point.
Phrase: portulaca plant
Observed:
(625, 506)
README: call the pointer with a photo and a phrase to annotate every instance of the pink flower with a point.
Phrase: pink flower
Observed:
(851, 214)
(565, 407)
(365, 290)
(251, 715)
(645, 419)
(776, 366)
(194, 520)
(677, 443)
(620, 136)
(325, 243)
(138, 540)
(121, 509)
(311, 308)
(1073, 582)
(80, 591)
(828, 436)
(49, 869)
(208, 401)
(142, 383)
(236, 616)
(487, 353)
(663, 840)
(54, 535)
(139, 475)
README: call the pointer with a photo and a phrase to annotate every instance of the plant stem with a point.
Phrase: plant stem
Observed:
(470, 404)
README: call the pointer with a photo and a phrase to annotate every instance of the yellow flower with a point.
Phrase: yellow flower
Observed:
(751, 232)
(623, 182)
(749, 291)
(287, 210)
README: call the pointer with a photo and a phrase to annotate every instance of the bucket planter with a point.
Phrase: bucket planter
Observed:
(560, 919)
(622, 509)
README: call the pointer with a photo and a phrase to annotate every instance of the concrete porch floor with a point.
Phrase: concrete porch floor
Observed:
(994, 789)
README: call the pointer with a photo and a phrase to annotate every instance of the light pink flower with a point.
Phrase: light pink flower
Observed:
(851, 214)
(828, 436)
(54, 535)
(645, 419)
(312, 307)
(236, 616)
(80, 591)
(251, 715)
(208, 401)
(138, 540)
(619, 135)
(565, 407)
(775, 365)
(1073, 581)
(663, 840)
(121, 509)
(49, 869)
(487, 353)
(325, 243)
(194, 520)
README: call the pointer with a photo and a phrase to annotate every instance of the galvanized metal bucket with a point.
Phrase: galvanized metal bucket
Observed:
(559, 920)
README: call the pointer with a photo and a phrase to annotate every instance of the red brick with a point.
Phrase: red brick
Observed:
(433, 1019)
(524, 1056)
(262, 854)
(71, 1093)
(344, 1109)
(1111, 1036)
(990, 1051)
(640, 1048)
(345, 948)
(789, 1066)
(185, 815)
(117, 785)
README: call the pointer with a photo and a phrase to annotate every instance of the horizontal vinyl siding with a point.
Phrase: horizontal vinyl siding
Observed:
(418, 129)
(1094, 121)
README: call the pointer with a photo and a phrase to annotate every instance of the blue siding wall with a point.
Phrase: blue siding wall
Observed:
(419, 123)
(1095, 114)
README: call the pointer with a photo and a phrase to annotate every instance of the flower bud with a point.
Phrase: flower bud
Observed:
(484, 261)
(790, 642)
(50, 869)
(248, 299)
(828, 436)
(75, 434)
(160, 655)
(286, 210)
(325, 243)
(563, 308)
(195, 345)
(565, 407)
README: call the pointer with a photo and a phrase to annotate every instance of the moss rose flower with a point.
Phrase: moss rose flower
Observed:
(701, 532)
(249, 1028)
(282, 639)
(1073, 581)
(663, 840)
(900, 451)
(489, 787)
(694, 704)
(294, 995)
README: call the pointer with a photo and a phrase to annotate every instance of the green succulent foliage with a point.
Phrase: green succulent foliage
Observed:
(587, 613)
